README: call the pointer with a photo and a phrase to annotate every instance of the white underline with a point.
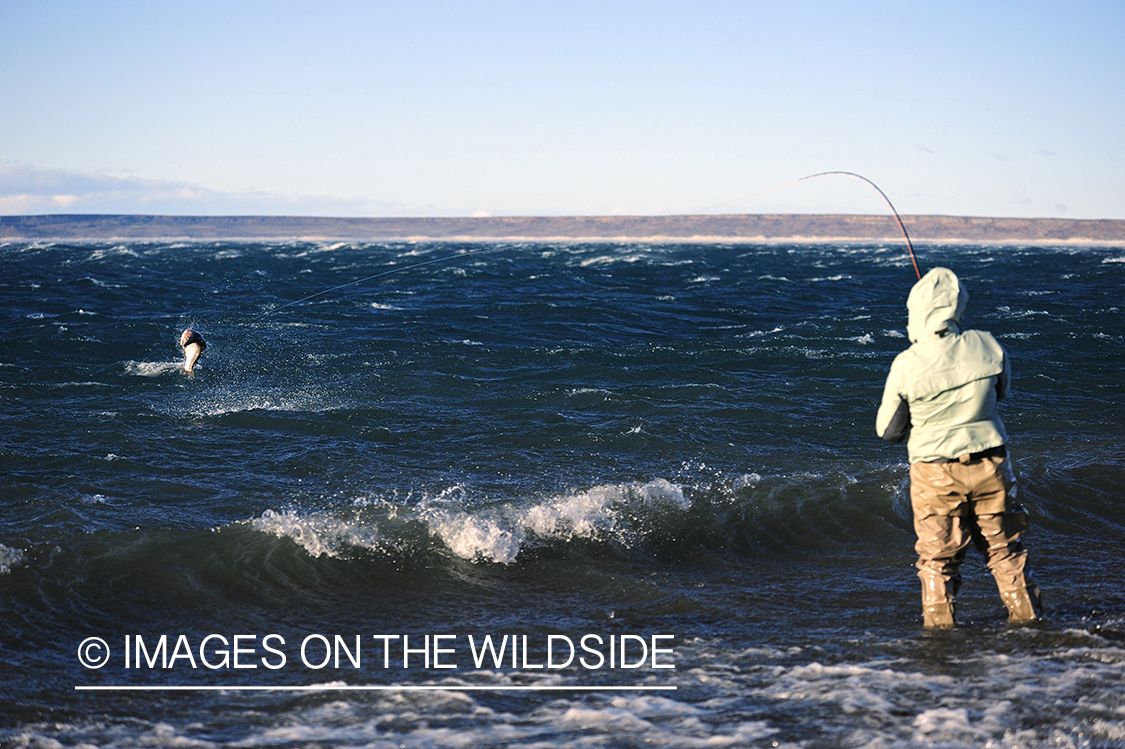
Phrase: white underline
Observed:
(368, 688)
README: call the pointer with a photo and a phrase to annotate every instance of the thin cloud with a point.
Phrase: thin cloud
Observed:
(26, 190)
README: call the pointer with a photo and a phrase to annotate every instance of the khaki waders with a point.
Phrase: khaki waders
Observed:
(971, 499)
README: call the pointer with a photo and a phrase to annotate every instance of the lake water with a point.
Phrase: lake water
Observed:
(660, 455)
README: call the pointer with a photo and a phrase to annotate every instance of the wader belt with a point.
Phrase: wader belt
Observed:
(992, 452)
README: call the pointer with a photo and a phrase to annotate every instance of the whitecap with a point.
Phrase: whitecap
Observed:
(587, 391)
(319, 534)
(498, 534)
(152, 369)
(945, 724)
(106, 252)
(10, 558)
(756, 333)
(475, 538)
(746, 480)
(609, 259)
(1010, 313)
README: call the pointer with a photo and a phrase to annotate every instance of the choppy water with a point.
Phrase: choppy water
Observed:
(626, 441)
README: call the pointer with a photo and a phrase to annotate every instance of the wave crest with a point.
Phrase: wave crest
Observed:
(498, 533)
(617, 512)
(10, 558)
(319, 534)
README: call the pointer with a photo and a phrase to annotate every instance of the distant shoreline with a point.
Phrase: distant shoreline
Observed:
(795, 228)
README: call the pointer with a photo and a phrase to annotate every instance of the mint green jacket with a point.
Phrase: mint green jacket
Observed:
(941, 393)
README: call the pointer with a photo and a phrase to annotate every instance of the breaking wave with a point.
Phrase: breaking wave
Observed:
(616, 513)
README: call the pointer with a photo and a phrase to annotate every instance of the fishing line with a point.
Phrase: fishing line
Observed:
(381, 274)
(906, 236)
(486, 251)
(490, 250)
(392, 271)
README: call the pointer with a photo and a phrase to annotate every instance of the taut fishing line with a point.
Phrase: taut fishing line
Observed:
(389, 272)
(906, 236)
(500, 248)
(380, 274)
(446, 258)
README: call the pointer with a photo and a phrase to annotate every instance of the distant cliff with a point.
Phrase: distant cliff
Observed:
(767, 227)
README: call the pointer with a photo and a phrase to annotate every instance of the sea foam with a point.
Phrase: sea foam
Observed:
(485, 532)
(10, 558)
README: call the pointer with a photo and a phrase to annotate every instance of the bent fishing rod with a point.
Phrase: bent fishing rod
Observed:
(901, 226)
(488, 250)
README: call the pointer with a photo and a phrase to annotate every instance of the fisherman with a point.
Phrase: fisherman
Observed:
(940, 397)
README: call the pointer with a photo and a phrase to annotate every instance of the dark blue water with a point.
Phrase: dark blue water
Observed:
(669, 447)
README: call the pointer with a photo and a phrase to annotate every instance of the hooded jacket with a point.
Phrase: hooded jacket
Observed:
(941, 393)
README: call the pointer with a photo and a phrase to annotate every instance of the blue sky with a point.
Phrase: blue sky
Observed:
(553, 108)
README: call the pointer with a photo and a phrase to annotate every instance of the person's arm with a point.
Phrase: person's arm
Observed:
(892, 423)
(1004, 380)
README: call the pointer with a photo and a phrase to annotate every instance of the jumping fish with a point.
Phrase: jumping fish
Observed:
(193, 345)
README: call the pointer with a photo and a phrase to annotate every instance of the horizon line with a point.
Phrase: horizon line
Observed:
(308, 216)
(369, 688)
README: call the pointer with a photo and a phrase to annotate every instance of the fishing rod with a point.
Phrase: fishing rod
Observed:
(488, 250)
(906, 236)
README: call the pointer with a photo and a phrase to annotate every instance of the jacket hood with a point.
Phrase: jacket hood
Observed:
(935, 305)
